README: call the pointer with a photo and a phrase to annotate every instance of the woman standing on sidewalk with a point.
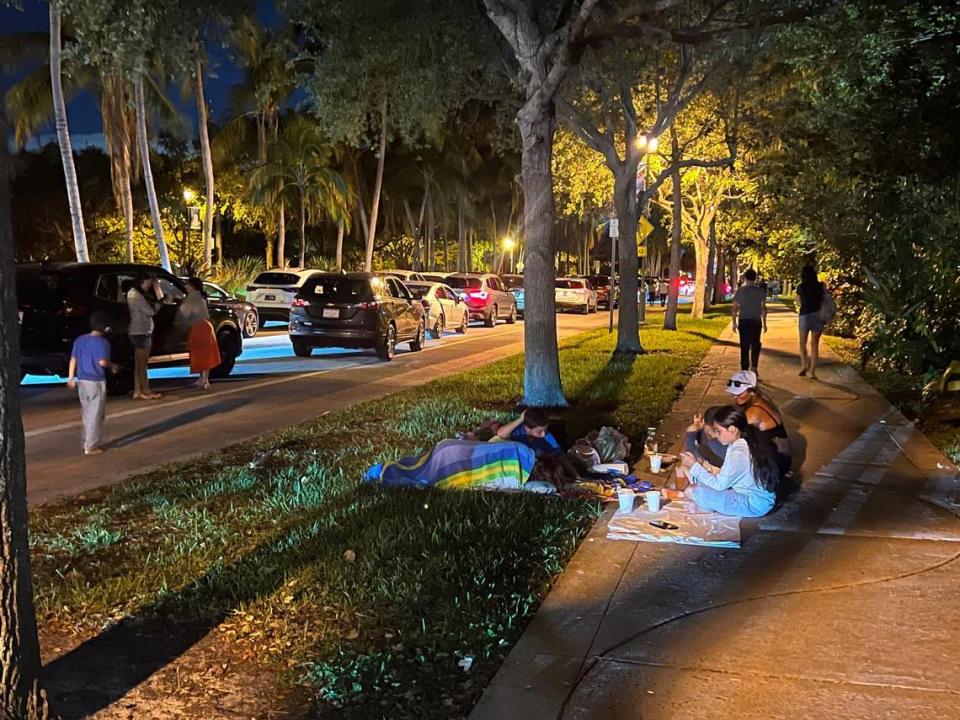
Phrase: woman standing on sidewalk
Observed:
(747, 482)
(810, 296)
(142, 303)
(201, 338)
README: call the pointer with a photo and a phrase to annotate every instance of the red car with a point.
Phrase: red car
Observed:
(486, 296)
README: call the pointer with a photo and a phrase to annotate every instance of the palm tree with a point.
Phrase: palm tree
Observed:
(300, 173)
(63, 135)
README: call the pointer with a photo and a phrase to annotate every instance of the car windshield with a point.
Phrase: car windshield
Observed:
(277, 278)
(465, 283)
(570, 284)
(514, 282)
(418, 291)
(41, 288)
(338, 289)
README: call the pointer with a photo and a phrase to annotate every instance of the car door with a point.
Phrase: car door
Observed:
(447, 306)
(413, 307)
(169, 336)
(399, 308)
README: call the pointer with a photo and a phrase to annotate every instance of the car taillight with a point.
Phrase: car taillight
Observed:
(482, 295)
(298, 302)
(426, 304)
(251, 288)
(70, 310)
(370, 305)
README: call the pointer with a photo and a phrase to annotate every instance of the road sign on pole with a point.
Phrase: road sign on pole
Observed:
(614, 227)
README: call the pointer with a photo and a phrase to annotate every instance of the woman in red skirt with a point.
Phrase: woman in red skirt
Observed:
(201, 339)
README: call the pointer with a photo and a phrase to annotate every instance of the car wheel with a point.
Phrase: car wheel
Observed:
(120, 383)
(251, 323)
(228, 343)
(300, 348)
(512, 318)
(421, 340)
(464, 322)
(491, 319)
(585, 310)
(387, 347)
(437, 332)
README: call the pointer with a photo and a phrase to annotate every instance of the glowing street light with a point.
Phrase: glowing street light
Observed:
(189, 195)
(647, 143)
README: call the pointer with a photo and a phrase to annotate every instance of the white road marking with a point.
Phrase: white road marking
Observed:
(153, 407)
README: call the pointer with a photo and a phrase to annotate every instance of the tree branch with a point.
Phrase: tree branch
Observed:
(588, 132)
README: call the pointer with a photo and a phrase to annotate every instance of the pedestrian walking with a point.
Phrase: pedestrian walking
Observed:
(816, 308)
(663, 287)
(143, 303)
(201, 338)
(87, 374)
(750, 319)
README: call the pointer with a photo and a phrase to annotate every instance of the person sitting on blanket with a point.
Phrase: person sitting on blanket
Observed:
(530, 429)
(747, 482)
(763, 414)
(701, 440)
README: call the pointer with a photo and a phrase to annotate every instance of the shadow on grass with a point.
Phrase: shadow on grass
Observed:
(596, 402)
(106, 667)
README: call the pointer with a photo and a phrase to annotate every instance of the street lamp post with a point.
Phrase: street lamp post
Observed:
(647, 144)
(508, 244)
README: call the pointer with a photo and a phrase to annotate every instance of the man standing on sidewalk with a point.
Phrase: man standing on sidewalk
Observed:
(750, 319)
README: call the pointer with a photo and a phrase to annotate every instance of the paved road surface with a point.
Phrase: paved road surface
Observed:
(269, 389)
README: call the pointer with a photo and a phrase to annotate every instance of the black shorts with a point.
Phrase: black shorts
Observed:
(141, 342)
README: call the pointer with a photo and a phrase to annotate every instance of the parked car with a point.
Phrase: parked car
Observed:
(273, 291)
(55, 301)
(576, 293)
(434, 277)
(485, 296)
(245, 311)
(405, 275)
(355, 310)
(442, 307)
(602, 285)
(514, 283)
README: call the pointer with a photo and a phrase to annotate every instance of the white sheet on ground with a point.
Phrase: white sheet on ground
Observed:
(695, 526)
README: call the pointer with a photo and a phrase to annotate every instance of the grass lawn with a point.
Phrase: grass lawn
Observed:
(368, 598)
(904, 391)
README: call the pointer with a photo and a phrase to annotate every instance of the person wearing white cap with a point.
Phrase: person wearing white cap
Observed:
(762, 414)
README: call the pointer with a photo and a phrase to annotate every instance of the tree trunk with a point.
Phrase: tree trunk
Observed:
(218, 237)
(282, 237)
(719, 279)
(303, 232)
(207, 159)
(144, 145)
(340, 245)
(497, 252)
(63, 136)
(126, 199)
(541, 381)
(711, 266)
(431, 233)
(625, 202)
(377, 187)
(21, 695)
(461, 242)
(673, 297)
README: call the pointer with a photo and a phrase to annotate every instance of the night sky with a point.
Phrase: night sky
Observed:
(83, 114)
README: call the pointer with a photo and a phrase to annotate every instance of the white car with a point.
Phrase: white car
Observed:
(404, 275)
(442, 307)
(576, 293)
(272, 292)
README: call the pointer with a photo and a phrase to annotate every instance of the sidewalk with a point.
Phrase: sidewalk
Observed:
(842, 604)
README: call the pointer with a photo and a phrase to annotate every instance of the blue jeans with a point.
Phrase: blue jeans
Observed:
(729, 502)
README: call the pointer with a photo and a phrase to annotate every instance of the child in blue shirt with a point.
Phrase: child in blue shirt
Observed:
(89, 362)
(530, 429)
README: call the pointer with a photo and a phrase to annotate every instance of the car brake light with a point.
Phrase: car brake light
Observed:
(369, 305)
(298, 302)
(482, 295)
(251, 288)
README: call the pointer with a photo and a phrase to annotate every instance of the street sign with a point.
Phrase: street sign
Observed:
(614, 227)
(645, 227)
(642, 251)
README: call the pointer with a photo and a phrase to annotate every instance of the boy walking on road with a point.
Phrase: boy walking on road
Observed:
(750, 319)
(89, 361)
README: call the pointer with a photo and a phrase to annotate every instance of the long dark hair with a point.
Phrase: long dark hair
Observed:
(810, 288)
(763, 455)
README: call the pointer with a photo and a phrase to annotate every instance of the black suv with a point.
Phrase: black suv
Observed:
(355, 310)
(55, 301)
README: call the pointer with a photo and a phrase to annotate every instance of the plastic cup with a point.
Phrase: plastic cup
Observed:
(656, 462)
(625, 498)
(653, 500)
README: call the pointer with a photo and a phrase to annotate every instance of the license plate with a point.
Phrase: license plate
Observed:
(269, 297)
(331, 313)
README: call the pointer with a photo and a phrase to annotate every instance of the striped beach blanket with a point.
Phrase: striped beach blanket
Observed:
(460, 465)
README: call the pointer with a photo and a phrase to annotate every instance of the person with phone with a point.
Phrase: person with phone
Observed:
(747, 482)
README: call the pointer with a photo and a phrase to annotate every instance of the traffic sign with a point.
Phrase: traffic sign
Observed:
(642, 251)
(645, 227)
(614, 227)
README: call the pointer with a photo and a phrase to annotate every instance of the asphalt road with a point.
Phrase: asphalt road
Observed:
(269, 389)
